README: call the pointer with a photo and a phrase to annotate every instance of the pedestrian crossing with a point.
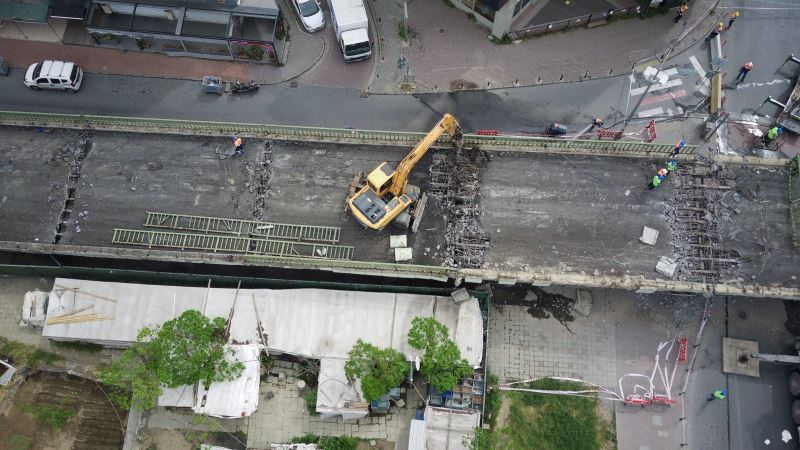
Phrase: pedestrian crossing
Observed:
(672, 90)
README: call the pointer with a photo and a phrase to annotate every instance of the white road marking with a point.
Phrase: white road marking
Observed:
(768, 83)
(657, 87)
(651, 112)
(697, 67)
(670, 72)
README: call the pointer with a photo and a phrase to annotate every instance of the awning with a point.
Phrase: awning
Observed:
(24, 10)
(68, 9)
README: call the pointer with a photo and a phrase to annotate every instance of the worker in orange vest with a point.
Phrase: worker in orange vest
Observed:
(743, 71)
(238, 146)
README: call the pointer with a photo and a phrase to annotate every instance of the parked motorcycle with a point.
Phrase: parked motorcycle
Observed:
(238, 87)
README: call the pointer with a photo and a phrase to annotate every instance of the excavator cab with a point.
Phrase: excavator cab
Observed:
(386, 195)
(381, 178)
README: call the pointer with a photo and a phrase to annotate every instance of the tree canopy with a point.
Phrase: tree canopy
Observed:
(379, 369)
(183, 351)
(442, 365)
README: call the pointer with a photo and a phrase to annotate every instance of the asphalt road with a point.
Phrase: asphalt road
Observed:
(765, 35)
(527, 109)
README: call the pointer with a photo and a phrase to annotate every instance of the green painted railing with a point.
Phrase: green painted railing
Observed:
(503, 143)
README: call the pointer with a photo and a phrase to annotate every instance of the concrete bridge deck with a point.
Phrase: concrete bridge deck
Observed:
(571, 214)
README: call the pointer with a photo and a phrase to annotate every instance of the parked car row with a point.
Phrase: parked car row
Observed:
(350, 24)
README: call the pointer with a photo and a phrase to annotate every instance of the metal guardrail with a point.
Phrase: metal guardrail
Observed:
(794, 199)
(230, 244)
(239, 227)
(340, 135)
(563, 25)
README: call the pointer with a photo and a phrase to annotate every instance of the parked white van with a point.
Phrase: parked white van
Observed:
(62, 75)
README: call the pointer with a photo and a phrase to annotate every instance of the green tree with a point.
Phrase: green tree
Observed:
(442, 365)
(379, 369)
(183, 351)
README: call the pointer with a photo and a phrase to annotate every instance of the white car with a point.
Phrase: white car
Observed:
(310, 14)
(62, 75)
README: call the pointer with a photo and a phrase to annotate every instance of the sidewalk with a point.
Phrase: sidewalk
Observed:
(448, 52)
(304, 52)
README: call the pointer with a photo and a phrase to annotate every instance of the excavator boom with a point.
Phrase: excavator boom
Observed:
(385, 196)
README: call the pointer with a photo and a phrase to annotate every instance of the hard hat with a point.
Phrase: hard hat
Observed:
(662, 172)
(780, 129)
(736, 14)
(724, 392)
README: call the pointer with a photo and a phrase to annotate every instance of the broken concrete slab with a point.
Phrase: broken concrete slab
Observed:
(666, 266)
(460, 295)
(403, 254)
(398, 240)
(583, 304)
(736, 357)
(649, 235)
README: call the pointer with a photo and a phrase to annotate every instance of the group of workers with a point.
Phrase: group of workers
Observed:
(721, 26)
(671, 165)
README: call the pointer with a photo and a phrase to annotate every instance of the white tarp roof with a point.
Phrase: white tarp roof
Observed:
(315, 323)
(236, 398)
(179, 397)
(416, 436)
(334, 392)
(446, 428)
(130, 306)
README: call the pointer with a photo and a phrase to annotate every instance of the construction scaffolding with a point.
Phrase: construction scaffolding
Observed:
(239, 227)
(230, 244)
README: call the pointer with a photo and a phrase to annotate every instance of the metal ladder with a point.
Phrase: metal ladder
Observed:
(267, 230)
(230, 244)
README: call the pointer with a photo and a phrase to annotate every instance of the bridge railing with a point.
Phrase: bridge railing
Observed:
(336, 135)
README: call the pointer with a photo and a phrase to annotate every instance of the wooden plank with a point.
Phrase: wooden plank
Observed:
(716, 93)
(71, 313)
(419, 210)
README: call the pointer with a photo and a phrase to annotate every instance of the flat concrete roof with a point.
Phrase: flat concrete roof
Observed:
(571, 213)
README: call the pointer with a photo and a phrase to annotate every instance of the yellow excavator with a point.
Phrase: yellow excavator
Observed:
(386, 197)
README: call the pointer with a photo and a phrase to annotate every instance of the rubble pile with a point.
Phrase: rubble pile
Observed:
(455, 184)
(258, 181)
(71, 154)
(695, 217)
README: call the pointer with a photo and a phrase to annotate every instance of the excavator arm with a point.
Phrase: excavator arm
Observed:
(383, 197)
(449, 125)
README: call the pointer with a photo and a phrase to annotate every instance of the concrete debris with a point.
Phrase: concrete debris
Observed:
(666, 266)
(399, 240)
(257, 179)
(455, 184)
(583, 305)
(694, 215)
(73, 154)
(460, 295)
(403, 254)
(649, 236)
